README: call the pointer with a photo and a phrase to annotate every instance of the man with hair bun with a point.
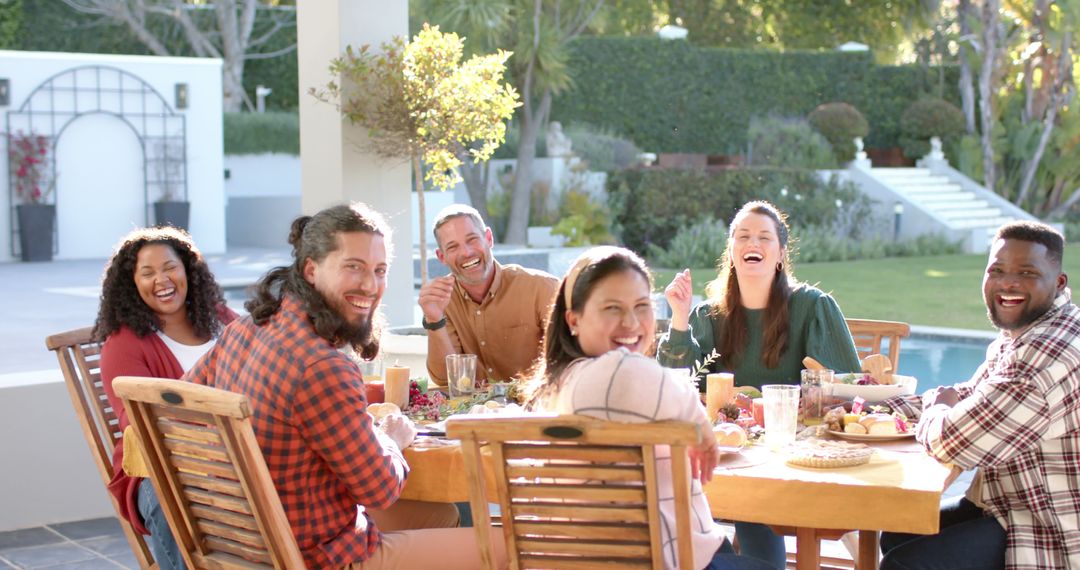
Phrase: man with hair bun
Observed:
(1016, 422)
(339, 475)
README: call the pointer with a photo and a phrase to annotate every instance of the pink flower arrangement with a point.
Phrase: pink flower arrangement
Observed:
(28, 162)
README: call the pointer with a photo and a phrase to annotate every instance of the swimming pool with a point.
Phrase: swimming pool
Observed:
(940, 361)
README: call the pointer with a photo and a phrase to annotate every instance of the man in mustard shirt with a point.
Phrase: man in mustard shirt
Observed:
(494, 311)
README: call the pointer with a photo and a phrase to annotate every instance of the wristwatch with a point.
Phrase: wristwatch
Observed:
(433, 326)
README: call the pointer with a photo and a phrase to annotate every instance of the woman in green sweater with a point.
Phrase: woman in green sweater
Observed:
(761, 322)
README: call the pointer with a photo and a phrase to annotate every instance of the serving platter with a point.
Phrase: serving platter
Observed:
(871, 437)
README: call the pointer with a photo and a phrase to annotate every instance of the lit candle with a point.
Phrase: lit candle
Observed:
(397, 385)
(719, 390)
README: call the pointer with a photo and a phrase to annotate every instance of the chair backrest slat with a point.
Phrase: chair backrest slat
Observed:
(210, 474)
(576, 492)
(80, 362)
(869, 335)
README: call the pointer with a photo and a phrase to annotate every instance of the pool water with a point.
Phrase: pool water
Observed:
(940, 361)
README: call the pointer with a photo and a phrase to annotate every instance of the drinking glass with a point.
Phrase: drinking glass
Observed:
(371, 370)
(371, 374)
(812, 385)
(781, 403)
(461, 374)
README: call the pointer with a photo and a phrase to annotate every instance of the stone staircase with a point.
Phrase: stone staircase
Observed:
(938, 199)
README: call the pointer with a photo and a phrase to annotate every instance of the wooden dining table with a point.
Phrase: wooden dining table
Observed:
(899, 490)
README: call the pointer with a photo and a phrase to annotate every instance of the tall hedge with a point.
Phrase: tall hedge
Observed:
(670, 96)
(53, 26)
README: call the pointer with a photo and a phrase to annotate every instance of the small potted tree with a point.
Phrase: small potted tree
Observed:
(419, 101)
(32, 186)
(172, 207)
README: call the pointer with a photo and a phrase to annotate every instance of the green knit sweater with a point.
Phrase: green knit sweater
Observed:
(816, 328)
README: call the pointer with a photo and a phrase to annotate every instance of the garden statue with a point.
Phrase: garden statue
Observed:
(558, 144)
(860, 155)
(935, 149)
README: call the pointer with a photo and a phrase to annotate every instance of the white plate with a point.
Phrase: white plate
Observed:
(726, 449)
(905, 385)
(869, 437)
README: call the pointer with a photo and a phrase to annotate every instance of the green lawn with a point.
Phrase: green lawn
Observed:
(943, 291)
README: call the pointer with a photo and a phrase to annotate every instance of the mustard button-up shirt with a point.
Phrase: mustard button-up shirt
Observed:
(506, 328)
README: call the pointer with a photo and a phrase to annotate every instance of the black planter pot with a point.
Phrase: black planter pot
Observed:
(173, 214)
(36, 222)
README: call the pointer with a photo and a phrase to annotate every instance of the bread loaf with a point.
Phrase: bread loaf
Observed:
(729, 435)
(381, 410)
(879, 424)
(855, 428)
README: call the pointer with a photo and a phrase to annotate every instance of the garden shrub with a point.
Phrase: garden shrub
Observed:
(601, 148)
(929, 117)
(778, 141)
(815, 243)
(698, 245)
(258, 133)
(840, 123)
(582, 220)
(650, 206)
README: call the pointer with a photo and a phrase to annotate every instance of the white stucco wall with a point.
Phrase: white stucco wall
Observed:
(99, 160)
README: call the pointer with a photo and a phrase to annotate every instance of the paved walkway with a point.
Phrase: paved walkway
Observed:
(39, 299)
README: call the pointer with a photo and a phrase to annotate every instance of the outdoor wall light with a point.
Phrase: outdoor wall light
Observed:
(5, 92)
(181, 96)
(898, 212)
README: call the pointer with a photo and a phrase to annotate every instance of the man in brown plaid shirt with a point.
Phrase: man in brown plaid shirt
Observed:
(339, 475)
(1017, 422)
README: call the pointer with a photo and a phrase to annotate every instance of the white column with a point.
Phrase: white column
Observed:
(334, 167)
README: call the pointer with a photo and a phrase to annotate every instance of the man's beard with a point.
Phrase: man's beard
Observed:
(486, 262)
(1027, 317)
(330, 323)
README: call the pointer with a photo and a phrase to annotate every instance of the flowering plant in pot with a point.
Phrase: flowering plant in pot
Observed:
(32, 185)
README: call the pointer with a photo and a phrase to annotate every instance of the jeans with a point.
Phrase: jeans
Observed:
(757, 540)
(969, 539)
(464, 514)
(726, 559)
(162, 543)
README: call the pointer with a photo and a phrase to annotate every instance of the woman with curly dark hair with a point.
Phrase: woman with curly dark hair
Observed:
(160, 311)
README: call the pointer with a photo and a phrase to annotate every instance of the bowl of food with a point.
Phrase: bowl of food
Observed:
(848, 386)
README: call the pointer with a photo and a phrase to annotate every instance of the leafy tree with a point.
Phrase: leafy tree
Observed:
(228, 35)
(420, 100)
(538, 32)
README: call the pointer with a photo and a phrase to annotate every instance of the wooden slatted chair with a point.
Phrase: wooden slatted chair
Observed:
(210, 474)
(79, 360)
(869, 334)
(574, 491)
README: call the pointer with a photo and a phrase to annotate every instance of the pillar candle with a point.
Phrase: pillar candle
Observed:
(719, 390)
(397, 385)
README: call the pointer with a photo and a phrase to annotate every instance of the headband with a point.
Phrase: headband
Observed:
(584, 261)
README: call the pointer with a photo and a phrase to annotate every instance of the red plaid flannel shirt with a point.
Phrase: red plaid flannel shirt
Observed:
(322, 450)
(1018, 423)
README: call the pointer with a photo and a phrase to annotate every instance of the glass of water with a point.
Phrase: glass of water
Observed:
(781, 403)
(461, 374)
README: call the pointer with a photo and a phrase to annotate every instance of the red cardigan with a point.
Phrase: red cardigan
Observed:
(125, 354)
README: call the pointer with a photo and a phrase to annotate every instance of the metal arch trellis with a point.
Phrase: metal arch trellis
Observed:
(93, 89)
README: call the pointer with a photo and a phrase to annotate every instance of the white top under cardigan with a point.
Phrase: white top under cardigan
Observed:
(628, 387)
